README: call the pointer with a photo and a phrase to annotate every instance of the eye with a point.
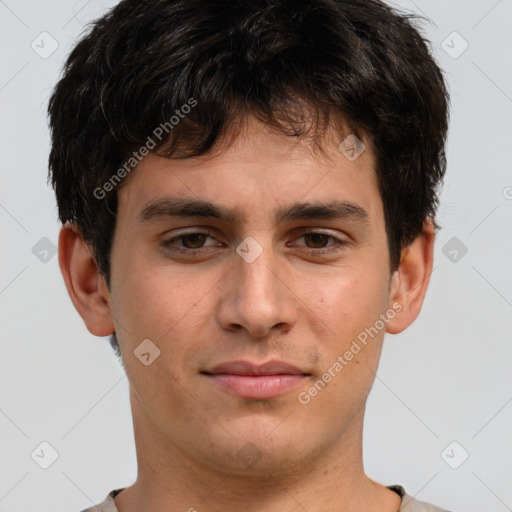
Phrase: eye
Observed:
(193, 240)
(190, 242)
(194, 243)
(316, 241)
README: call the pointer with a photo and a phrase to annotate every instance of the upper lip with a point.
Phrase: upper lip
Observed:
(246, 368)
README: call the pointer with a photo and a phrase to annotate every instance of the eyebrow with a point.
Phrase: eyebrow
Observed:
(185, 207)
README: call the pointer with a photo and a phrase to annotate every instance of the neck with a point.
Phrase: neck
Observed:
(170, 479)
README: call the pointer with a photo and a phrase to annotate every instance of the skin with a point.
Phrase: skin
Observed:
(301, 307)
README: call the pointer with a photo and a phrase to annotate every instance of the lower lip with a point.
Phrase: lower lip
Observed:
(259, 387)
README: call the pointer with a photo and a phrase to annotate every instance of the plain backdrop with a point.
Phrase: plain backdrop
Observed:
(444, 386)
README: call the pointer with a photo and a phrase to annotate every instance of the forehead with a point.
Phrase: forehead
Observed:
(257, 169)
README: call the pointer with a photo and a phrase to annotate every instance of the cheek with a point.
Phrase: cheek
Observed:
(151, 306)
(170, 310)
(347, 302)
(351, 345)
(154, 309)
(149, 299)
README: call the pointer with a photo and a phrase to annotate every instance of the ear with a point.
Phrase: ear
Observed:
(410, 281)
(86, 287)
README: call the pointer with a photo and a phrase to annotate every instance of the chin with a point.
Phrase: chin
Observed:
(257, 448)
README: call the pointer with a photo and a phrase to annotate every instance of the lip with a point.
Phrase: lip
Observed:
(257, 381)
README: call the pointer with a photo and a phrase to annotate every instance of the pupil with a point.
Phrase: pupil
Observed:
(317, 238)
(197, 236)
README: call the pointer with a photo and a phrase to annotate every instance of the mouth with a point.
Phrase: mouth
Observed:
(257, 381)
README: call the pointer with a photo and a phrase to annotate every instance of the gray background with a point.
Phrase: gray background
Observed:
(447, 378)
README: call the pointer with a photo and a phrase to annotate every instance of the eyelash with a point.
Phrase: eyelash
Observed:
(167, 244)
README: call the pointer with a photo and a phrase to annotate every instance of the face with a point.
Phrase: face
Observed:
(267, 274)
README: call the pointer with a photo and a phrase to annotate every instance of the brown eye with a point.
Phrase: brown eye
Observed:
(317, 240)
(189, 243)
(195, 240)
(318, 243)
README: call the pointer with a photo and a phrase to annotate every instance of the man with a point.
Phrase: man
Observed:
(248, 192)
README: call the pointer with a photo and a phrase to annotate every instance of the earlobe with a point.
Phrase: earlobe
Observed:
(410, 281)
(86, 287)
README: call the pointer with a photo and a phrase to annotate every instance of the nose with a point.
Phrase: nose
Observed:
(258, 296)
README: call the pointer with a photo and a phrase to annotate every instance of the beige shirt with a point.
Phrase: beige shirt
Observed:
(409, 504)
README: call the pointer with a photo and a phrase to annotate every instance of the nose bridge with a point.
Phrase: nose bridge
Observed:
(259, 276)
(256, 270)
(259, 300)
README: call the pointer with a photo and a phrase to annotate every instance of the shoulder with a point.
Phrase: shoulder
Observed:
(410, 504)
(107, 505)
